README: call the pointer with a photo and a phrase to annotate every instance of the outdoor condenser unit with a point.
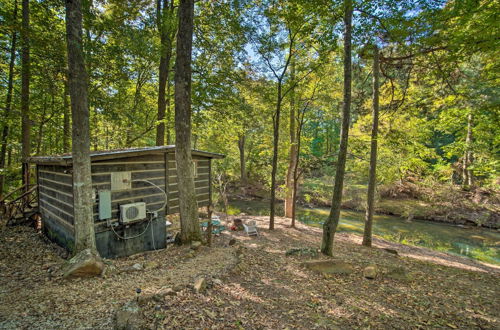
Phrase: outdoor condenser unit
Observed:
(132, 212)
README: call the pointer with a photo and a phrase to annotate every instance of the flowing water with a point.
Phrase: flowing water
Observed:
(476, 243)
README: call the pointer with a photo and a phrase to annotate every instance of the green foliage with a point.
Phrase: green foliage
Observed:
(439, 64)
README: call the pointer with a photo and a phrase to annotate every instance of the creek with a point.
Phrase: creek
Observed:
(476, 243)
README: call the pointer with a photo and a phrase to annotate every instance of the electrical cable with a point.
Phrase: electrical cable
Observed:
(151, 213)
(125, 238)
(157, 187)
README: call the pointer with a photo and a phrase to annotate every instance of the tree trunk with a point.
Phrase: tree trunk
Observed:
(168, 124)
(66, 115)
(296, 173)
(190, 228)
(8, 102)
(293, 152)
(25, 92)
(276, 135)
(164, 12)
(367, 234)
(77, 80)
(330, 225)
(468, 156)
(243, 171)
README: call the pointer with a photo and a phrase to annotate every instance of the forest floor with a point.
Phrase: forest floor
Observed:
(252, 284)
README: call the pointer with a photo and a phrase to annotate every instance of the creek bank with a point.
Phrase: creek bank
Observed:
(474, 208)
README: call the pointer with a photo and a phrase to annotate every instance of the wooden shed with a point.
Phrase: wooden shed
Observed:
(133, 191)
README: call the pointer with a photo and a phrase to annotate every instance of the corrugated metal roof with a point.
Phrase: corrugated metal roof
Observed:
(66, 159)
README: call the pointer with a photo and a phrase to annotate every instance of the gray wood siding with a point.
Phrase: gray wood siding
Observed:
(150, 168)
(56, 195)
(56, 191)
(201, 183)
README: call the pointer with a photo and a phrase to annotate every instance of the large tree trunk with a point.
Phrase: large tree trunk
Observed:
(330, 225)
(66, 115)
(164, 13)
(8, 102)
(77, 79)
(370, 208)
(276, 136)
(468, 156)
(25, 92)
(293, 152)
(243, 171)
(188, 209)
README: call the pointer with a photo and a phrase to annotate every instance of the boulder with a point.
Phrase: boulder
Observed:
(391, 251)
(370, 272)
(136, 267)
(195, 245)
(217, 281)
(129, 317)
(86, 263)
(178, 288)
(151, 265)
(200, 285)
(169, 292)
(302, 252)
(190, 254)
(329, 266)
(398, 273)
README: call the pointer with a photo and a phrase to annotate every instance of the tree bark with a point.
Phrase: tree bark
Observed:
(66, 115)
(243, 171)
(276, 136)
(8, 102)
(165, 12)
(78, 84)
(372, 182)
(468, 156)
(190, 228)
(25, 92)
(330, 225)
(293, 152)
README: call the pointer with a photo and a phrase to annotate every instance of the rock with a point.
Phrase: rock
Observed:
(232, 241)
(217, 281)
(302, 252)
(151, 265)
(129, 317)
(84, 264)
(370, 272)
(392, 251)
(178, 288)
(169, 292)
(195, 245)
(190, 254)
(398, 273)
(200, 285)
(136, 267)
(329, 267)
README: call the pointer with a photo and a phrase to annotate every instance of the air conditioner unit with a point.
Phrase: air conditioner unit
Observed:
(132, 212)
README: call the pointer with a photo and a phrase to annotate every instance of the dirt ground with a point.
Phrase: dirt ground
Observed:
(252, 285)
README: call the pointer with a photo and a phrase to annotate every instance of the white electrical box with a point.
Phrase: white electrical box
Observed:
(132, 212)
(121, 181)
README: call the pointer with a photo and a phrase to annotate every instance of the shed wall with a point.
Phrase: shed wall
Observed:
(55, 191)
(141, 236)
(201, 182)
(56, 200)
